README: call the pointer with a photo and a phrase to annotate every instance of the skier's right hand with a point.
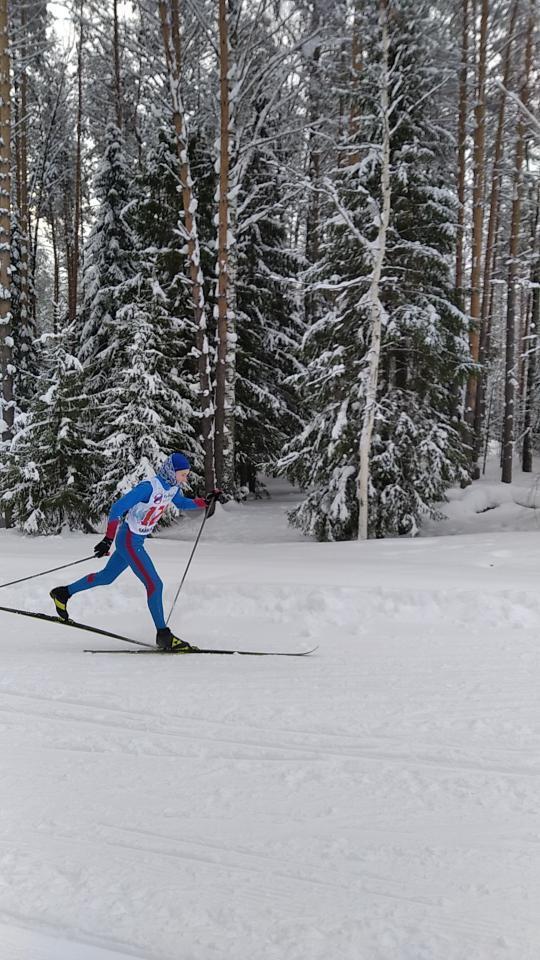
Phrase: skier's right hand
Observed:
(102, 548)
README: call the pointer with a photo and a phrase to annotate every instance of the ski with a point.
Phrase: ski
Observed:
(78, 626)
(241, 653)
(149, 647)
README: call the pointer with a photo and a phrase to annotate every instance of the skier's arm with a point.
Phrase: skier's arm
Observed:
(185, 503)
(140, 494)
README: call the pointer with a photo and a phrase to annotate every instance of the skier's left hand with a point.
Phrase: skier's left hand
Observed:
(102, 548)
(216, 494)
(210, 500)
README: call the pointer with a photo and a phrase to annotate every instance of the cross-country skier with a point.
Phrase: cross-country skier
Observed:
(143, 507)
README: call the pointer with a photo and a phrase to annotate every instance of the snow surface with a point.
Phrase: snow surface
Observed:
(376, 801)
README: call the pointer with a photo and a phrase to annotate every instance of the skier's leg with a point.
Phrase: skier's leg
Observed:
(144, 569)
(116, 565)
(60, 595)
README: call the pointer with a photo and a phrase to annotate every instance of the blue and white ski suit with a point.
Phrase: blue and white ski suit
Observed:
(142, 507)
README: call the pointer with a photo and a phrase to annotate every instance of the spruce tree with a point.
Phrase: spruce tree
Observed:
(144, 417)
(268, 323)
(50, 466)
(416, 451)
(109, 266)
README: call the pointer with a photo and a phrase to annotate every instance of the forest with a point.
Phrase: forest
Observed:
(288, 237)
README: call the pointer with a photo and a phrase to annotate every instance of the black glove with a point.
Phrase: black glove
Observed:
(102, 548)
(215, 495)
(211, 499)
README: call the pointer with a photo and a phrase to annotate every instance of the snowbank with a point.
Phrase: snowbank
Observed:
(489, 505)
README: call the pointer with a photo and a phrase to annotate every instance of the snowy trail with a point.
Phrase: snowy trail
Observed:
(377, 801)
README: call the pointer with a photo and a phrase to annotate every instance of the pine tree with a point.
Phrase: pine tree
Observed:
(416, 450)
(48, 470)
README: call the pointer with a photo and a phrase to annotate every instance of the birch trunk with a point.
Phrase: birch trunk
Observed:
(510, 372)
(226, 334)
(478, 219)
(170, 30)
(373, 298)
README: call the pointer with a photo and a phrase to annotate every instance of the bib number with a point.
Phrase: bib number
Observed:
(152, 515)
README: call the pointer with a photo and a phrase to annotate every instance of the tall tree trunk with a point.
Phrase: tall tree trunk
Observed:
(510, 372)
(170, 30)
(478, 224)
(56, 272)
(6, 327)
(530, 385)
(376, 307)
(493, 219)
(226, 335)
(462, 153)
(313, 219)
(22, 169)
(117, 73)
(77, 219)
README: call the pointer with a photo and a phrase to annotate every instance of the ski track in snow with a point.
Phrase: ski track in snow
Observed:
(376, 801)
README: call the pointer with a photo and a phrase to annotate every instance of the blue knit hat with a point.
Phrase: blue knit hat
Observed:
(167, 470)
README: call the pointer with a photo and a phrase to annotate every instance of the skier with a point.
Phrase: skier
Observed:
(143, 507)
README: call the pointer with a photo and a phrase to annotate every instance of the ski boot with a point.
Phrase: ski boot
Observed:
(61, 595)
(166, 640)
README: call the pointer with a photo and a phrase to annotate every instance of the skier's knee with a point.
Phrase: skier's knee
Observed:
(155, 589)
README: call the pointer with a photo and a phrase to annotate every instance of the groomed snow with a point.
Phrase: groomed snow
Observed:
(376, 801)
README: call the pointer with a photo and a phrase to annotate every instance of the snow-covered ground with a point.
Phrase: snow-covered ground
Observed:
(376, 801)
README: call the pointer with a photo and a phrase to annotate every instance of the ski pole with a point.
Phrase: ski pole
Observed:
(43, 572)
(188, 563)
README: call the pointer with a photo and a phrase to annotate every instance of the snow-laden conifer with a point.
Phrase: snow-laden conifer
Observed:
(144, 417)
(109, 266)
(269, 326)
(416, 449)
(49, 467)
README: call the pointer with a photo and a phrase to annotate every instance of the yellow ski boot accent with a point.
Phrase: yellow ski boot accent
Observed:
(166, 640)
(60, 596)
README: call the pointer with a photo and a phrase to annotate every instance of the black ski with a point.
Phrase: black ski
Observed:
(78, 626)
(149, 647)
(242, 653)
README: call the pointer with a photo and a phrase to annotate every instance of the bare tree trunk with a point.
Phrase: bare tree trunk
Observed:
(56, 272)
(75, 268)
(313, 219)
(376, 307)
(510, 372)
(24, 209)
(170, 29)
(478, 223)
(6, 329)
(117, 74)
(355, 116)
(494, 206)
(462, 154)
(532, 354)
(226, 335)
